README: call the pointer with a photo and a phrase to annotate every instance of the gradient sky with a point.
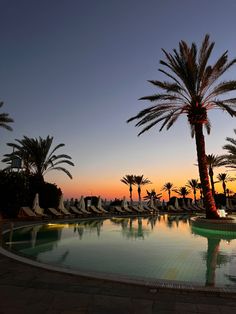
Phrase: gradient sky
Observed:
(74, 69)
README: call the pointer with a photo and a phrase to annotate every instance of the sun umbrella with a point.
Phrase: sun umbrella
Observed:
(151, 205)
(61, 203)
(99, 205)
(124, 202)
(81, 204)
(177, 203)
(36, 202)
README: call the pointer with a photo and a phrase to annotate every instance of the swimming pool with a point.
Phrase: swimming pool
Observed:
(157, 249)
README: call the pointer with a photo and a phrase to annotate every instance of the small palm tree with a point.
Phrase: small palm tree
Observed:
(224, 178)
(5, 119)
(230, 157)
(152, 195)
(193, 184)
(129, 180)
(139, 181)
(183, 191)
(38, 157)
(168, 187)
(214, 161)
(192, 90)
(199, 187)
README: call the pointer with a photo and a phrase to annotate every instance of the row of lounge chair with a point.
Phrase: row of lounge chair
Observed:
(72, 212)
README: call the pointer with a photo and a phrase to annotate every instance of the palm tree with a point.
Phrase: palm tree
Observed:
(152, 195)
(129, 180)
(224, 178)
(5, 119)
(167, 187)
(230, 157)
(193, 184)
(199, 187)
(37, 157)
(214, 161)
(193, 89)
(139, 180)
(183, 191)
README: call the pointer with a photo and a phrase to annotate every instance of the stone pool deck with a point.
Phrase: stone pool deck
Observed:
(27, 289)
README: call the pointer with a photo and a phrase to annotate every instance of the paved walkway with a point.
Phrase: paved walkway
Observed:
(26, 289)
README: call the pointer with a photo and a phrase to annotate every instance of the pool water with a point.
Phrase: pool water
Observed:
(155, 248)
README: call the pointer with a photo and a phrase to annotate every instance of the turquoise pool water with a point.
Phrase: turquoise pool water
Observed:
(158, 248)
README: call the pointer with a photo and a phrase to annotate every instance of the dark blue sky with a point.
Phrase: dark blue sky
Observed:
(75, 70)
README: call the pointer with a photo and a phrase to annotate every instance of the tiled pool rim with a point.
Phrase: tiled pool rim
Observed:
(152, 284)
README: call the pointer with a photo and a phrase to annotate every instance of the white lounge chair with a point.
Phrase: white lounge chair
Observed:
(222, 213)
(54, 212)
(95, 210)
(26, 212)
(75, 211)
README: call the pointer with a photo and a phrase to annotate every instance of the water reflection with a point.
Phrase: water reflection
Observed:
(213, 257)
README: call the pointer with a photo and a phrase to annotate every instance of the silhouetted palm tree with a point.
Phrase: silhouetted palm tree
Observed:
(192, 90)
(168, 187)
(183, 191)
(214, 161)
(37, 157)
(5, 119)
(193, 184)
(152, 195)
(199, 187)
(129, 180)
(139, 180)
(224, 178)
(230, 157)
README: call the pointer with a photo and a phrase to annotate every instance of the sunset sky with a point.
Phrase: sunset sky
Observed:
(75, 69)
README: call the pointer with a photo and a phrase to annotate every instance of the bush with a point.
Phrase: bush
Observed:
(17, 189)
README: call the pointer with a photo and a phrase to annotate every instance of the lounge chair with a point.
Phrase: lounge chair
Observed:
(147, 208)
(95, 210)
(137, 209)
(65, 212)
(54, 212)
(40, 212)
(75, 211)
(84, 211)
(222, 213)
(26, 212)
(119, 210)
(102, 209)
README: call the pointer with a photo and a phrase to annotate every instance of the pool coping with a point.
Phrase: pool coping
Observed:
(152, 284)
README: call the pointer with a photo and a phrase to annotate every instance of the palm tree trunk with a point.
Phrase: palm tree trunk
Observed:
(208, 200)
(169, 194)
(139, 193)
(130, 194)
(212, 181)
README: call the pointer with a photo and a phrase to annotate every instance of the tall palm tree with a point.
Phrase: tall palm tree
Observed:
(193, 184)
(139, 181)
(38, 156)
(230, 157)
(224, 178)
(193, 89)
(168, 188)
(214, 161)
(5, 119)
(129, 180)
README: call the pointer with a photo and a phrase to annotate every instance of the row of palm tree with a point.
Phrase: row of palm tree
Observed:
(139, 181)
(192, 89)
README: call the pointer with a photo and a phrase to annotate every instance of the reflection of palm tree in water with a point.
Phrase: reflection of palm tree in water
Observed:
(212, 256)
(211, 260)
